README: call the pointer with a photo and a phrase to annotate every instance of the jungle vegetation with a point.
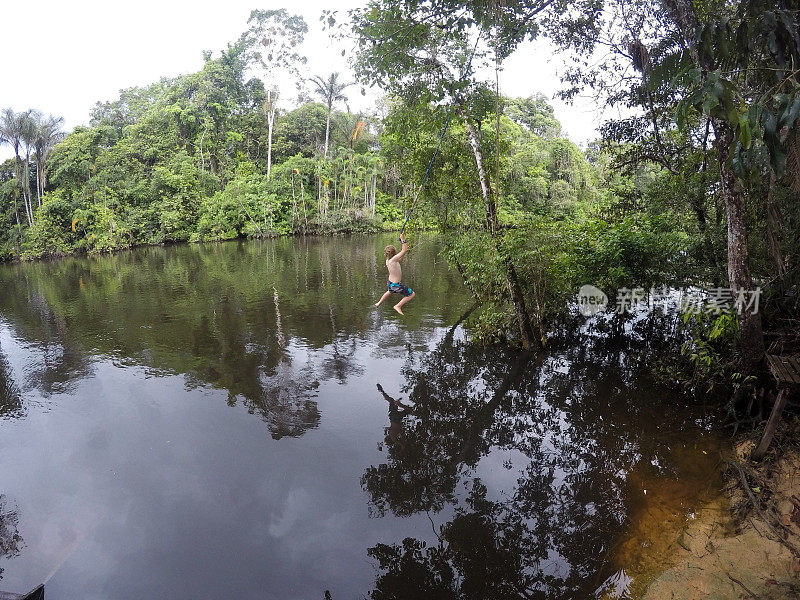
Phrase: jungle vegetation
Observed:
(697, 187)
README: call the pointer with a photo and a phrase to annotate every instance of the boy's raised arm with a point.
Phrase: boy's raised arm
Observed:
(404, 249)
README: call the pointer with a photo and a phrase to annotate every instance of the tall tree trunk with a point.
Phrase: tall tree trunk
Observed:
(39, 190)
(486, 188)
(514, 288)
(28, 209)
(303, 202)
(497, 111)
(752, 340)
(271, 101)
(327, 131)
(27, 181)
(294, 205)
(698, 204)
(21, 174)
(19, 226)
(202, 156)
(374, 185)
(270, 121)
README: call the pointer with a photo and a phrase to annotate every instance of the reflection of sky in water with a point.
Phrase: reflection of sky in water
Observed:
(153, 487)
(202, 421)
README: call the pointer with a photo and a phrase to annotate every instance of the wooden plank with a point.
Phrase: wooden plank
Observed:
(790, 375)
(786, 375)
(775, 367)
(772, 425)
(785, 369)
(771, 365)
(794, 366)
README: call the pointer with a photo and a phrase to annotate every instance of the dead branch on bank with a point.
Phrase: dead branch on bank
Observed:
(777, 528)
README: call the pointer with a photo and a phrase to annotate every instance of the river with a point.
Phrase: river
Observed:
(202, 421)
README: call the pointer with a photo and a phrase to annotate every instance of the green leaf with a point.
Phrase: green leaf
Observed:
(709, 103)
(754, 115)
(707, 42)
(722, 43)
(680, 114)
(745, 135)
(737, 161)
(791, 112)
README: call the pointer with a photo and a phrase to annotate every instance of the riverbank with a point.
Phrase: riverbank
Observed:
(745, 542)
(332, 228)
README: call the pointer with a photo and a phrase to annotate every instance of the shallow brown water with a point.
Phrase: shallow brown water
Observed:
(203, 422)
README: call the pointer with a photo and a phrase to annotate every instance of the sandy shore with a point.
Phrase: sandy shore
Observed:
(728, 548)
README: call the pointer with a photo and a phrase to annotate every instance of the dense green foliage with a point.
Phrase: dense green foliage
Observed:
(186, 159)
(697, 187)
(702, 176)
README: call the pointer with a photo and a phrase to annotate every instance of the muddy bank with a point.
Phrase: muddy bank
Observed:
(740, 544)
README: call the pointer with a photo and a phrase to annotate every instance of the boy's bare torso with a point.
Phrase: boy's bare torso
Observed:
(395, 271)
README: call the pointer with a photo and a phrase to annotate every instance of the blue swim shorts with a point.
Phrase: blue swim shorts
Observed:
(398, 288)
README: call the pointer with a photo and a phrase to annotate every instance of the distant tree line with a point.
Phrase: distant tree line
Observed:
(219, 154)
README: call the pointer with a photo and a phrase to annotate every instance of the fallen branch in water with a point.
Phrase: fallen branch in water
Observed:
(462, 319)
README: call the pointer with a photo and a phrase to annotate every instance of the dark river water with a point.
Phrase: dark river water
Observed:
(203, 422)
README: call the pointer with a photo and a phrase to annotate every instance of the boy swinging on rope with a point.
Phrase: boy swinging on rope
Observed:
(393, 286)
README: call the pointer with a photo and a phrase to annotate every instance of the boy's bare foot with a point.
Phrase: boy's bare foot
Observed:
(377, 304)
(398, 309)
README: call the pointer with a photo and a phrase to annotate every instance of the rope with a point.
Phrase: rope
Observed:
(439, 144)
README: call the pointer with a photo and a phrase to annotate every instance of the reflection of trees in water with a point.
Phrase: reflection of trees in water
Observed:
(577, 426)
(447, 434)
(341, 362)
(10, 539)
(62, 365)
(10, 399)
(60, 362)
(209, 312)
(288, 408)
(484, 552)
(256, 369)
(287, 405)
(235, 317)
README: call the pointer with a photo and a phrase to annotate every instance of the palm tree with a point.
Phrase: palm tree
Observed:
(48, 134)
(28, 129)
(7, 121)
(15, 130)
(331, 92)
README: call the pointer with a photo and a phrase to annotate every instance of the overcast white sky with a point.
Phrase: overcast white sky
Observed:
(65, 56)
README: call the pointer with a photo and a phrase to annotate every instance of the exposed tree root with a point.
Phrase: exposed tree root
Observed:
(778, 530)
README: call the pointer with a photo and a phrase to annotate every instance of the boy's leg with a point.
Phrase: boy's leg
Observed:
(384, 297)
(399, 306)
